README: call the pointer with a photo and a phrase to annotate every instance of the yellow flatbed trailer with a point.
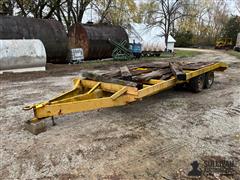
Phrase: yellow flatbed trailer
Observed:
(89, 95)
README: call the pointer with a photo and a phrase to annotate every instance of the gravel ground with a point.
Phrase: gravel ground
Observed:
(151, 139)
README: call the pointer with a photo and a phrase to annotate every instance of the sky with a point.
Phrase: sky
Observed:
(232, 7)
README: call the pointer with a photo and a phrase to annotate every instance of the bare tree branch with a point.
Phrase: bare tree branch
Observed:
(238, 5)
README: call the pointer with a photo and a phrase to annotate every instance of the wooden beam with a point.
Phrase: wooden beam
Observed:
(196, 65)
(166, 76)
(125, 73)
(152, 75)
(160, 65)
(177, 71)
(103, 78)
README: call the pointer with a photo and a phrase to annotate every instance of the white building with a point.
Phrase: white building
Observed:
(151, 38)
(171, 43)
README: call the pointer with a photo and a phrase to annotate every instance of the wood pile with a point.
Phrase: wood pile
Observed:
(136, 75)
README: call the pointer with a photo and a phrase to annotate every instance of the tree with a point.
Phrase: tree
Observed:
(65, 11)
(6, 7)
(231, 28)
(183, 38)
(238, 5)
(205, 19)
(102, 8)
(117, 12)
(218, 17)
(147, 12)
(72, 11)
(164, 13)
(43, 9)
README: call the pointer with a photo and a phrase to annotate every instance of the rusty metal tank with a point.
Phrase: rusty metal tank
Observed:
(50, 32)
(94, 39)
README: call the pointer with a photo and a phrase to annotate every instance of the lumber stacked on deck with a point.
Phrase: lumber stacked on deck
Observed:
(196, 65)
(136, 75)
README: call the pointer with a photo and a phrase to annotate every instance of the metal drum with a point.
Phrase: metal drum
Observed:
(50, 32)
(94, 39)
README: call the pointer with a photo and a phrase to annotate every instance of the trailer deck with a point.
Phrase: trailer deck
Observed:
(88, 95)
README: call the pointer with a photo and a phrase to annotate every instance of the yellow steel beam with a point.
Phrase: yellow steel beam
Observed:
(77, 89)
(162, 85)
(77, 82)
(109, 87)
(69, 94)
(215, 67)
(119, 93)
(79, 106)
(155, 81)
(146, 85)
(98, 93)
(93, 88)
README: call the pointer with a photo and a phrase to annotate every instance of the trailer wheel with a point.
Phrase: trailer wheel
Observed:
(197, 83)
(209, 79)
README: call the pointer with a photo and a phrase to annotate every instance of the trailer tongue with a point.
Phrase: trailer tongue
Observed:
(124, 85)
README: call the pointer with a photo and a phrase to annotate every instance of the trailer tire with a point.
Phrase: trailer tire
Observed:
(197, 83)
(209, 79)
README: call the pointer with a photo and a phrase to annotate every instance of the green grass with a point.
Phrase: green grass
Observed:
(185, 54)
(179, 54)
(234, 53)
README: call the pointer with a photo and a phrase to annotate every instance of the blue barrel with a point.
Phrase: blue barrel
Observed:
(136, 49)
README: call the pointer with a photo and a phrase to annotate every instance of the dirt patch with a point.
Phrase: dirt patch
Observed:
(151, 139)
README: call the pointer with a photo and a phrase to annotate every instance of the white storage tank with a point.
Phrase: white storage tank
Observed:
(22, 56)
(151, 38)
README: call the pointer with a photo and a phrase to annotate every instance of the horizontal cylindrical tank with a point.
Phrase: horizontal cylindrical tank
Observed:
(94, 39)
(50, 32)
(153, 46)
(22, 55)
